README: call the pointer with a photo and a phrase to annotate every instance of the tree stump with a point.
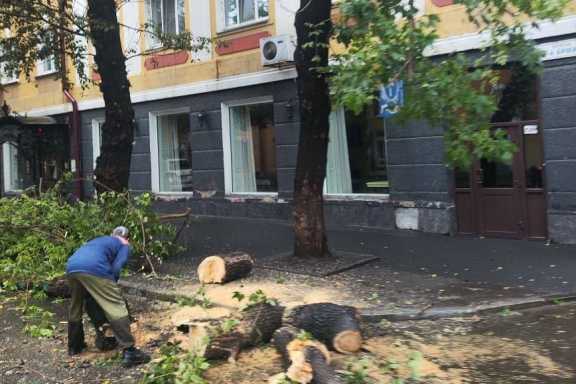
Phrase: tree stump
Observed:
(335, 325)
(221, 269)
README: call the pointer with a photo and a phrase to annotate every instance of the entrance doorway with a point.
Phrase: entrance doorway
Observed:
(508, 200)
(505, 200)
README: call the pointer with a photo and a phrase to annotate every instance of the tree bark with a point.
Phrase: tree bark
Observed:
(257, 325)
(113, 166)
(337, 326)
(314, 98)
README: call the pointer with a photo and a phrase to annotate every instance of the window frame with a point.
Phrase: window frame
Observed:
(359, 196)
(40, 70)
(227, 147)
(152, 42)
(6, 171)
(223, 17)
(154, 151)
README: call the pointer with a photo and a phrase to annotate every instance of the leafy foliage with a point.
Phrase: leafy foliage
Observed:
(255, 298)
(38, 234)
(176, 367)
(39, 322)
(389, 40)
(199, 298)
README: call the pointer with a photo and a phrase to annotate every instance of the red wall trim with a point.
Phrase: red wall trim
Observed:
(166, 60)
(240, 44)
(442, 3)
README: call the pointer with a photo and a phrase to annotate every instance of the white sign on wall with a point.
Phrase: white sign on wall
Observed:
(558, 49)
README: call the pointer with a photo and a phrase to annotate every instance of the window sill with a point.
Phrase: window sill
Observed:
(243, 27)
(173, 195)
(265, 197)
(379, 197)
(9, 82)
(45, 74)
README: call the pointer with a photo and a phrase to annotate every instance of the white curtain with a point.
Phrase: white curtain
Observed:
(243, 168)
(11, 170)
(248, 9)
(338, 179)
(168, 148)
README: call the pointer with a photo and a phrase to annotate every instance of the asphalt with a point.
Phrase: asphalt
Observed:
(422, 275)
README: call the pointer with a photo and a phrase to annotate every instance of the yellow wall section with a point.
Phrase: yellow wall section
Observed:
(45, 91)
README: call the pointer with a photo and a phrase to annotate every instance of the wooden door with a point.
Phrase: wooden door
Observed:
(505, 200)
(499, 193)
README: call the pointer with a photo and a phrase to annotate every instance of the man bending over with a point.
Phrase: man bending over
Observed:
(93, 272)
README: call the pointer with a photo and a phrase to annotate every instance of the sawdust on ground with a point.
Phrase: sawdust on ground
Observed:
(289, 293)
(452, 359)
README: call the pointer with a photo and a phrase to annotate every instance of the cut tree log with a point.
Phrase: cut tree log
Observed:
(335, 325)
(58, 288)
(305, 360)
(221, 269)
(256, 326)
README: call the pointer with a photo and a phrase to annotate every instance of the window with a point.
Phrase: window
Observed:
(250, 148)
(356, 154)
(46, 66)
(238, 12)
(5, 76)
(166, 16)
(17, 172)
(172, 153)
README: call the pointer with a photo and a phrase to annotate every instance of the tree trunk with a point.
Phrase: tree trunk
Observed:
(337, 326)
(257, 325)
(313, 92)
(221, 269)
(113, 166)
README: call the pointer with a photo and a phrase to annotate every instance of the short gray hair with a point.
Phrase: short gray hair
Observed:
(120, 231)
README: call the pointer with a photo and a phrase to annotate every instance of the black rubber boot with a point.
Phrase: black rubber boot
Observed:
(104, 343)
(76, 343)
(98, 319)
(132, 356)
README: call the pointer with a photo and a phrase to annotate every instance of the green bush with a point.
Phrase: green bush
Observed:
(39, 233)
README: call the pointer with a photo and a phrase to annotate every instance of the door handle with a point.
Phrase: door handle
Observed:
(479, 177)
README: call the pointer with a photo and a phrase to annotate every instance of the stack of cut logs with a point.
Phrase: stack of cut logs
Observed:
(306, 359)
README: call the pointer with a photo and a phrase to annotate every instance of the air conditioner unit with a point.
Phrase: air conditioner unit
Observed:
(276, 50)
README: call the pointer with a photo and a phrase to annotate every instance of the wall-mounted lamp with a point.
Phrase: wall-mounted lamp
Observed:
(201, 117)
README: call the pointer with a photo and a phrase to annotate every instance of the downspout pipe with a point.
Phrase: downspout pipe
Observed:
(75, 145)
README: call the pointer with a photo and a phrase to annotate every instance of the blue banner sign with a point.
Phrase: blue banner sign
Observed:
(391, 99)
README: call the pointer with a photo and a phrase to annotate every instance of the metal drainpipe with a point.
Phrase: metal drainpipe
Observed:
(76, 165)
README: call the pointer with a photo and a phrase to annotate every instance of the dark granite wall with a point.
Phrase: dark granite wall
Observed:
(558, 94)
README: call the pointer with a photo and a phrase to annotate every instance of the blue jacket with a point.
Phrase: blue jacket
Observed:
(103, 256)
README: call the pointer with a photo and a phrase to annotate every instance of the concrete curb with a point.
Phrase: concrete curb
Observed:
(376, 315)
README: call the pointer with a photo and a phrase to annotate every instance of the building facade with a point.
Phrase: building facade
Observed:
(217, 131)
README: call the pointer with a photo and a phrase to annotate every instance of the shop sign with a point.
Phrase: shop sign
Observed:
(558, 49)
(391, 99)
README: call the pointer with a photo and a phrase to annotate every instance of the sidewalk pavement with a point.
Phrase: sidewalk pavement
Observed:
(416, 275)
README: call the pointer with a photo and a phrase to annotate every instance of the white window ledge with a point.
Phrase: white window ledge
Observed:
(379, 197)
(9, 82)
(235, 27)
(44, 74)
(169, 196)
